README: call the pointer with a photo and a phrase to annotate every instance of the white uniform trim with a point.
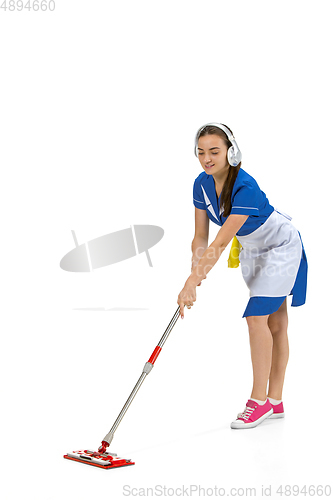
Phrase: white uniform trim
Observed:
(253, 208)
(209, 205)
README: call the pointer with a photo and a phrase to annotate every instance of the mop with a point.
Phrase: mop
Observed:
(102, 458)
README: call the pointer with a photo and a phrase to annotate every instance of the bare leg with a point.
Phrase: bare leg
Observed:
(261, 343)
(278, 324)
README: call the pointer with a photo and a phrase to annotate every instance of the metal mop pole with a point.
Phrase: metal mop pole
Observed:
(146, 370)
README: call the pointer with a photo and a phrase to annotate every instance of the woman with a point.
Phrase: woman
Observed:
(272, 258)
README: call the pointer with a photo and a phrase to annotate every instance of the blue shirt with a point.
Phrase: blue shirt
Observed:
(246, 199)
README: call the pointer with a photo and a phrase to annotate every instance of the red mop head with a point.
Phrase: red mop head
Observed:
(100, 459)
(103, 447)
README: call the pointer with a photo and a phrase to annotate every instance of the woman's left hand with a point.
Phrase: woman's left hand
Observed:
(187, 297)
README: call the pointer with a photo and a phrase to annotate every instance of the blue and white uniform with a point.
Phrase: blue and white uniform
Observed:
(272, 257)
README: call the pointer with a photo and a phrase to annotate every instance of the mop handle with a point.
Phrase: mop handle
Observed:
(146, 370)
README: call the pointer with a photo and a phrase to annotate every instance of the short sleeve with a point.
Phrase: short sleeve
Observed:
(246, 200)
(198, 200)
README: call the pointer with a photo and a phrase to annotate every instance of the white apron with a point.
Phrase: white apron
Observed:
(271, 256)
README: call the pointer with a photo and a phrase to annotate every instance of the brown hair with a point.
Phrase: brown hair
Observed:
(233, 171)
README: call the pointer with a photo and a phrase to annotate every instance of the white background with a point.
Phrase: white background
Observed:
(100, 103)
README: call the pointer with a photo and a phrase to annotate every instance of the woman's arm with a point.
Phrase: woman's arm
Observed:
(200, 240)
(209, 258)
(214, 251)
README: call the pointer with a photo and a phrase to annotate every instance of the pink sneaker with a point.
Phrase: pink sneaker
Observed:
(278, 411)
(253, 415)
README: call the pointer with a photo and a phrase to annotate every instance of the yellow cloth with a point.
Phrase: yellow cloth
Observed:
(233, 260)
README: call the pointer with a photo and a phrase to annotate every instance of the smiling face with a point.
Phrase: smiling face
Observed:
(212, 154)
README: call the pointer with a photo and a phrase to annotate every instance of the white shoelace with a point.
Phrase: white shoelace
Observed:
(246, 413)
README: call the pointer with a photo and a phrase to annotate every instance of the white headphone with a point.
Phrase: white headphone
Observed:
(234, 153)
